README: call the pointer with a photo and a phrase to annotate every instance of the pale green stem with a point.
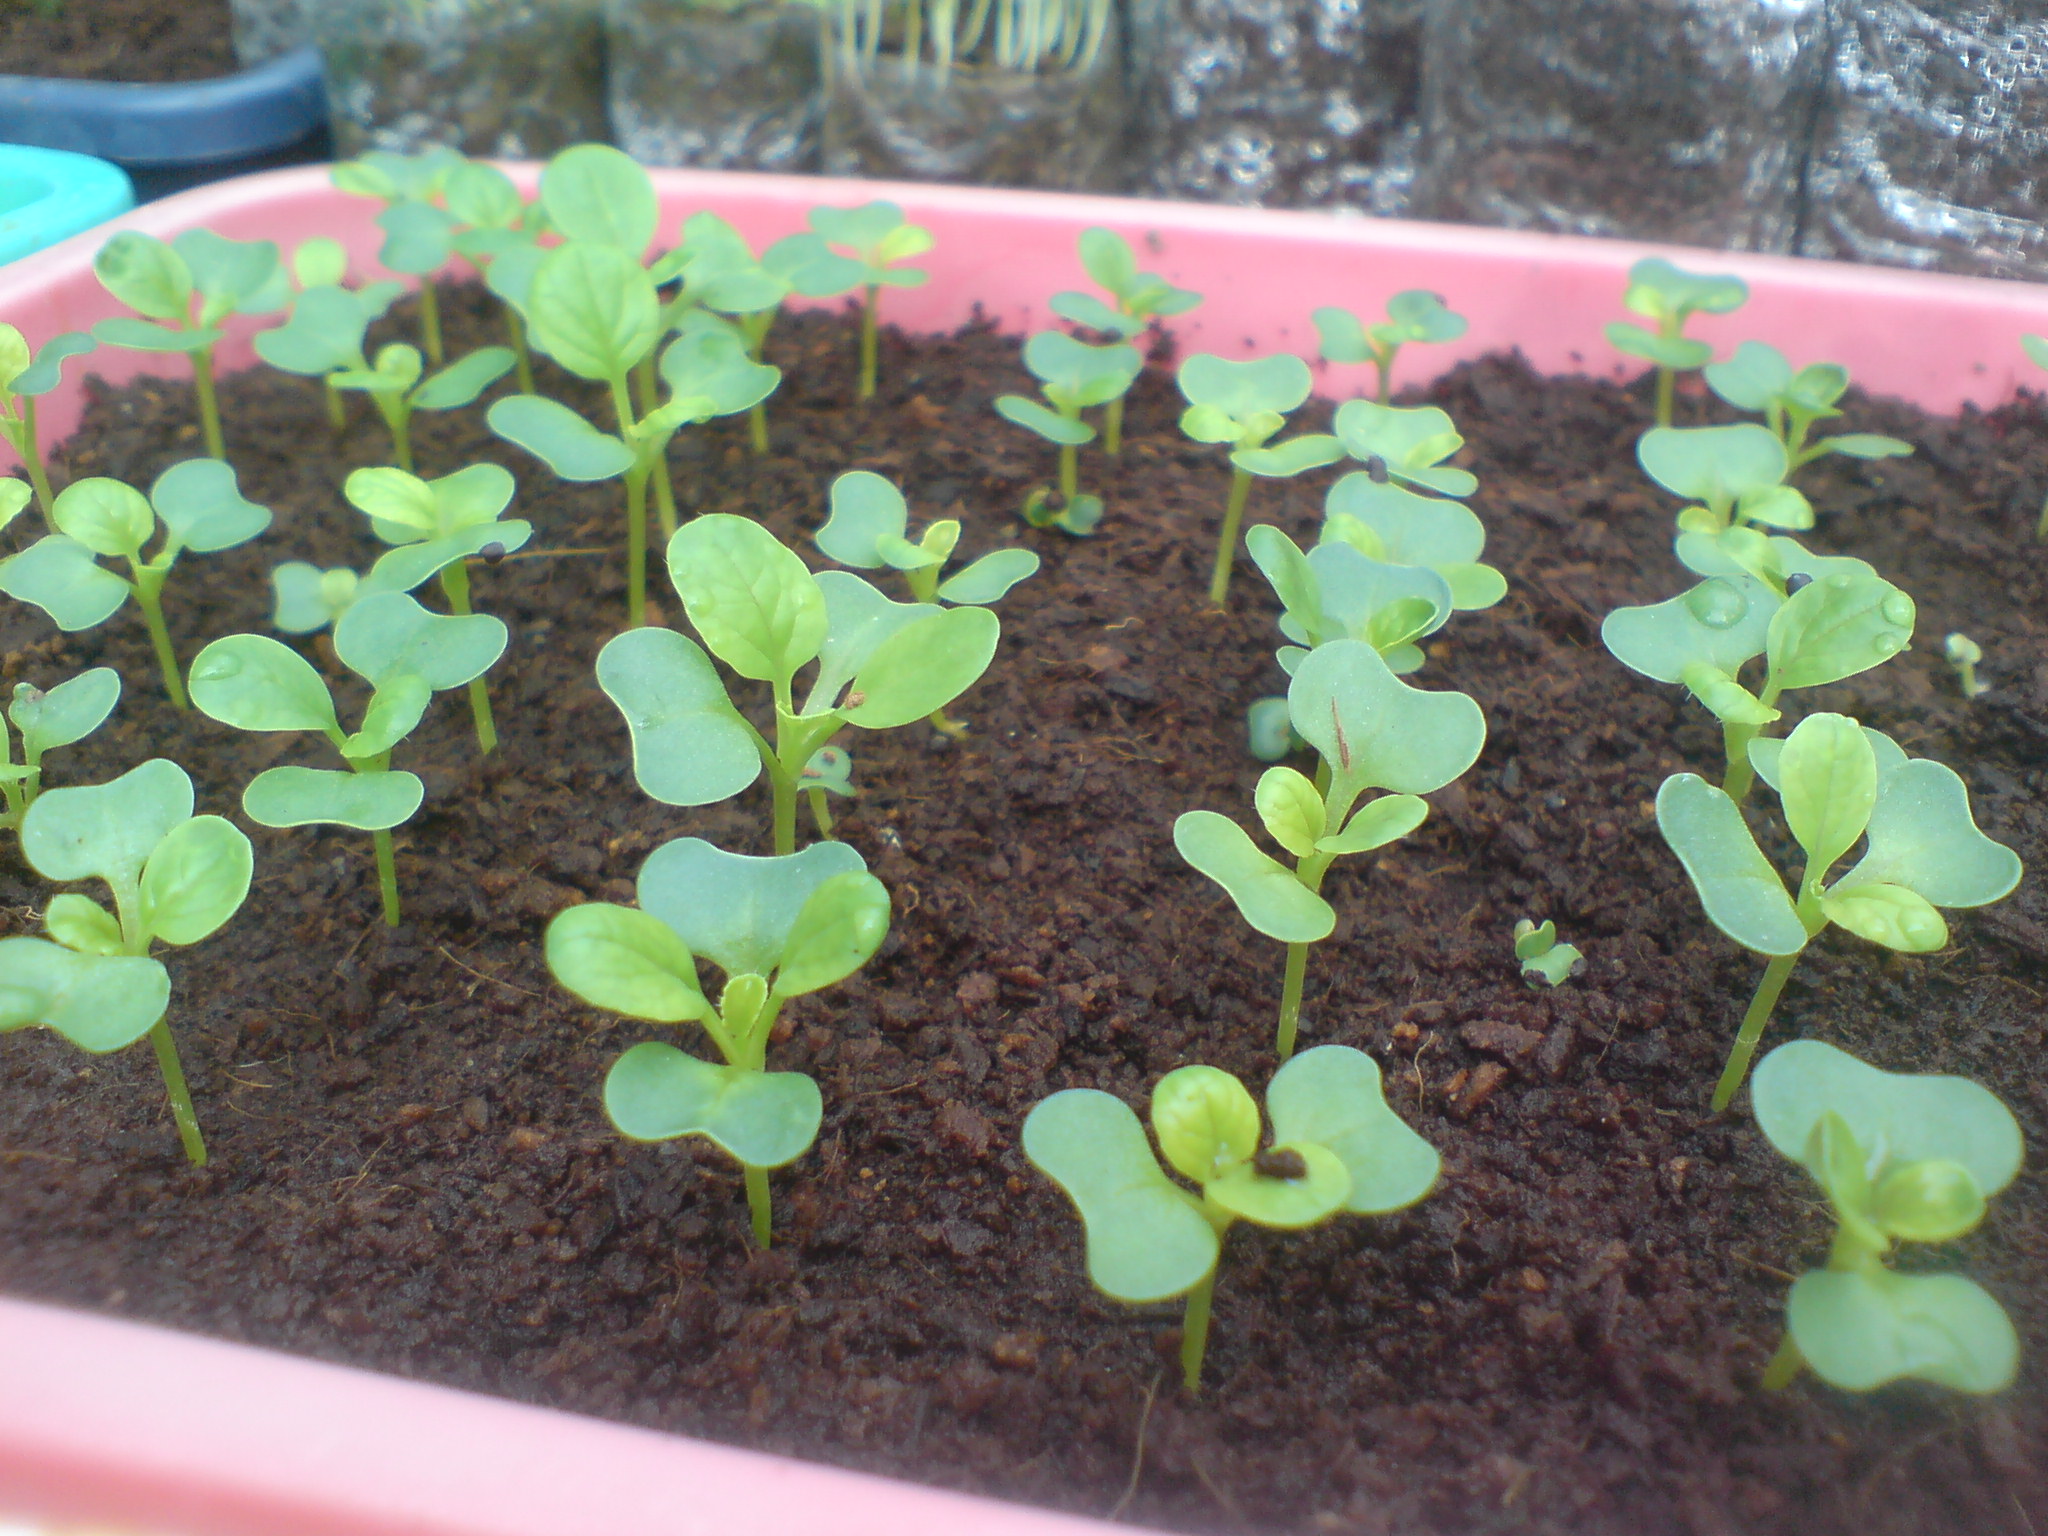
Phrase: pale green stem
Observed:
(32, 458)
(664, 498)
(1226, 547)
(1194, 1332)
(1735, 739)
(1784, 1367)
(455, 583)
(387, 874)
(757, 1201)
(1113, 427)
(1759, 1014)
(1383, 362)
(644, 389)
(1290, 999)
(209, 405)
(1070, 472)
(337, 409)
(821, 814)
(522, 359)
(870, 302)
(180, 1095)
(430, 320)
(757, 427)
(1666, 380)
(636, 548)
(148, 588)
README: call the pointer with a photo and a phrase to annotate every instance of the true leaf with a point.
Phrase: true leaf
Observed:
(1743, 896)
(1374, 730)
(104, 515)
(754, 602)
(1266, 893)
(1291, 809)
(593, 309)
(625, 961)
(840, 926)
(1204, 1120)
(1827, 780)
(78, 922)
(923, 667)
(595, 193)
(195, 880)
(1890, 915)
(255, 683)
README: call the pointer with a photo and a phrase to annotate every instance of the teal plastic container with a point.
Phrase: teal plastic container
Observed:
(47, 195)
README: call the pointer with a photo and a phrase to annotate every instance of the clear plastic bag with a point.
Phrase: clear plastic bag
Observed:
(516, 79)
(722, 86)
(263, 29)
(1683, 120)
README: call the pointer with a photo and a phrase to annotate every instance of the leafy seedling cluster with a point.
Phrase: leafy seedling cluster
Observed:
(1668, 296)
(1543, 960)
(1758, 378)
(1073, 376)
(1413, 316)
(1136, 299)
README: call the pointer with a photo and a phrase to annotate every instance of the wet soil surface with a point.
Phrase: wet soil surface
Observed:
(134, 40)
(412, 1171)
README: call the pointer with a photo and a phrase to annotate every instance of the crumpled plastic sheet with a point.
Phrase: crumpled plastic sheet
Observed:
(729, 89)
(1933, 148)
(509, 79)
(1681, 120)
(1291, 103)
(263, 29)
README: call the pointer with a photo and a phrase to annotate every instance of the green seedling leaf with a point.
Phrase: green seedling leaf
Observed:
(867, 512)
(754, 602)
(1390, 522)
(837, 931)
(394, 710)
(1416, 314)
(482, 196)
(1866, 445)
(460, 383)
(60, 576)
(324, 334)
(858, 619)
(1836, 626)
(1755, 378)
(711, 370)
(1827, 780)
(765, 1119)
(254, 683)
(1205, 1122)
(418, 238)
(1543, 960)
(593, 309)
(1923, 837)
(233, 277)
(1411, 443)
(146, 275)
(1657, 289)
(100, 1003)
(1285, 1204)
(1241, 391)
(559, 438)
(625, 961)
(735, 910)
(15, 496)
(80, 923)
(1743, 896)
(1890, 915)
(830, 769)
(1076, 375)
(1713, 465)
(406, 567)
(1674, 352)
(106, 831)
(690, 746)
(923, 667)
(596, 194)
(1266, 893)
(47, 371)
(107, 517)
(1375, 731)
(141, 336)
(1340, 335)
(1723, 697)
(1108, 258)
(67, 713)
(201, 504)
(1722, 623)
(1861, 1330)
(384, 633)
(1084, 309)
(1331, 1097)
(1376, 824)
(990, 578)
(195, 880)
(304, 797)
(1311, 450)
(1050, 425)
(1291, 810)
(308, 598)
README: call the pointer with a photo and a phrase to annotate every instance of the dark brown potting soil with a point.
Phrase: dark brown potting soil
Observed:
(412, 1171)
(134, 40)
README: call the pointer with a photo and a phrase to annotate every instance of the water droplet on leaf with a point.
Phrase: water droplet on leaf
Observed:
(1717, 604)
(1897, 609)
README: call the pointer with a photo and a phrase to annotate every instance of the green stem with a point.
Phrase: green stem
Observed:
(148, 586)
(337, 409)
(821, 814)
(430, 320)
(784, 790)
(455, 583)
(180, 1095)
(946, 725)
(1226, 547)
(1194, 1332)
(1113, 427)
(1666, 380)
(1384, 363)
(1070, 473)
(1290, 999)
(644, 388)
(1740, 775)
(870, 302)
(757, 1201)
(401, 435)
(664, 498)
(1759, 1014)
(636, 548)
(522, 359)
(32, 457)
(209, 406)
(757, 427)
(1785, 1365)
(387, 874)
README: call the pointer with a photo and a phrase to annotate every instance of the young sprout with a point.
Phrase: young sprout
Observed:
(406, 654)
(419, 237)
(879, 237)
(868, 529)
(830, 771)
(175, 879)
(1839, 783)
(1814, 620)
(1241, 405)
(2036, 348)
(200, 509)
(182, 293)
(758, 609)
(1963, 654)
(1544, 961)
(438, 525)
(1903, 1157)
(307, 599)
(1073, 376)
(58, 717)
(1337, 1149)
(1136, 300)
(1670, 296)
(1334, 592)
(1734, 475)
(1415, 315)
(25, 379)
(778, 928)
(1758, 378)
(492, 221)
(1372, 731)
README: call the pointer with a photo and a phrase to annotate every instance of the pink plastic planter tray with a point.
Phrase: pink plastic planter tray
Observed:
(107, 1421)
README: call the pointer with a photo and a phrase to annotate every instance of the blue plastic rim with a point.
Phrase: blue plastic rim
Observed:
(47, 195)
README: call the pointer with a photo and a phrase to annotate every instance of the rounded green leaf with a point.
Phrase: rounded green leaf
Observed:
(1836, 626)
(204, 508)
(1291, 809)
(104, 515)
(69, 712)
(735, 910)
(99, 1003)
(78, 922)
(1725, 699)
(1713, 465)
(1411, 441)
(922, 667)
(1285, 460)
(394, 709)
(559, 438)
(384, 633)
(1146, 1239)
(482, 196)
(1867, 445)
(1240, 390)
(838, 928)
(1859, 1330)
(626, 962)
(1050, 425)
(754, 602)
(418, 238)
(1675, 352)
(654, 1092)
(461, 382)
(106, 831)
(1751, 380)
(990, 578)
(712, 368)
(195, 880)
(59, 575)
(1742, 894)
(47, 371)
(595, 193)
(1392, 523)
(1341, 336)
(1721, 623)
(233, 277)
(1890, 915)
(308, 598)
(1657, 288)
(1331, 1097)
(147, 275)
(1267, 894)
(1107, 257)
(1077, 374)
(404, 568)
(690, 746)
(1374, 730)
(1923, 837)
(305, 797)
(321, 262)
(1420, 315)
(1205, 1121)
(323, 335)
(255, 683)
(1927, 1202)
(866, 509)
(593, 309)
(1376, 824)
(1827, 780)
(1087, 310)
(1284, 1203)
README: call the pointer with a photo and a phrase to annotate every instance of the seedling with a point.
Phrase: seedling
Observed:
(419, 237)
(1269, 730)
(25, 379)
(1372, 731)
(869, 528)
(1073, 376)
(1758, 378)
(1136, 300)
(406, 654)
(1734, 476)
(1840, 618)
(757, 608)
(1963, 653)
(1337, 1149)
(1416, 315)
(200, 509)
(182, 293)
(175, 879)
(1241, 405)
(492, 221)
(438, 525)
(1336, 593)
(308, 599)
(58, 717)
(779, 928)
(1838, 783)
(1670, 296)
(2036, 348)
(1903, 1157)
(1544, 961)
(879, 237)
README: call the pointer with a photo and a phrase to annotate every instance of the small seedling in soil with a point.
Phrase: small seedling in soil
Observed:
(1073, 376)
(1838, 783)
(879, 237)
(1544, 961)
(1337, 1149)
(182, 293)
(1372, 731)
(1136, 300)
(24, 379)
(175, 879)
(56, 717)
(1903, 1157)
(200, 509)
(406, 654)
(1416, 315)
(1241, 405)
(1669, 296)
(1758, 378)
(869, 530)
(1840, 618)
(492, 221)
(1733, 476)
(306, 599)
(758, 609)
(438, 526)
(419, 237)
(323, 334)
(779, 928)
(1335, 593)
(1963, 653)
